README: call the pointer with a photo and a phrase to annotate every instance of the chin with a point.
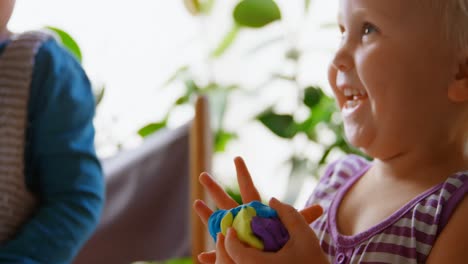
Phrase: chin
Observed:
(371, 143)
(369, 146)
(358, 138)
(380, 151)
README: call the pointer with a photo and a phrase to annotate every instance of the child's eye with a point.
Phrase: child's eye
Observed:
(368, 29)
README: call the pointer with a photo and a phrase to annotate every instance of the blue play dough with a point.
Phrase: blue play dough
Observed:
(214, 222)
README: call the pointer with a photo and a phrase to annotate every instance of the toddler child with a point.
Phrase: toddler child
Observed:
(51, 184)
(400, 78)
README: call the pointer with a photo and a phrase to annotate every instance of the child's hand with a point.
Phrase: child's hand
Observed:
(302, 247)
(224, 201)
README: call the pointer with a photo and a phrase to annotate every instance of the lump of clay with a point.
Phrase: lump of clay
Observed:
(256, 224)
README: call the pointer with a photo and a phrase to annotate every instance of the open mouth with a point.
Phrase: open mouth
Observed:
(353, 97)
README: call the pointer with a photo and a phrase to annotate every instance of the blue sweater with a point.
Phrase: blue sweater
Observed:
(61, 166)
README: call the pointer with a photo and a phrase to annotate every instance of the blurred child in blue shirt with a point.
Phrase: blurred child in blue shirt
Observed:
(47, 145)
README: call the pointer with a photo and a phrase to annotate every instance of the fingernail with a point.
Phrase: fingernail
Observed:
(198, 201)
(273, 200)
(231, 231)
(200, 257)
(200, 177)
(204, 178)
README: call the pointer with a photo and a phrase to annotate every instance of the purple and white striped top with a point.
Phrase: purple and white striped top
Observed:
(407, 236)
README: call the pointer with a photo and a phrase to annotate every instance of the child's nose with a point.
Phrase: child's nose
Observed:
(343, 60)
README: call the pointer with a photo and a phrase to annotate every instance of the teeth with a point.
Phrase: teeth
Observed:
(351, 103)
(353, 92)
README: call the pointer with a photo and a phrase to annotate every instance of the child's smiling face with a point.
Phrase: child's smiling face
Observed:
(391, 75)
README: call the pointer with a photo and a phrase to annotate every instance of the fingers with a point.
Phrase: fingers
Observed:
(237, 250)
(203, 211)
(291, 218)
(221, 254)
(220, 197)
(246, 186)
(311, 213)
(207, 257)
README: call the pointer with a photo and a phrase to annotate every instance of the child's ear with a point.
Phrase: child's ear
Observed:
(458, 91)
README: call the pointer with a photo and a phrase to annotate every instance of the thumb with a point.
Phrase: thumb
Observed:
(207, 257)
(291, 218)
(237, 250)
(311, 213)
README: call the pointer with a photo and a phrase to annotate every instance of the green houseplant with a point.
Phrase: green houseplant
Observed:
(320, 110)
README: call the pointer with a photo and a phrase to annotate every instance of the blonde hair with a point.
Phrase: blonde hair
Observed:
(454, 17)
(457, 22)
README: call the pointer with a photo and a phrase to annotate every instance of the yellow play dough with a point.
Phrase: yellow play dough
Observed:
(226, 222)
(244, 231)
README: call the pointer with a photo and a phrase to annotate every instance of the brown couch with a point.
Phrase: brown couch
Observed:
(147, 214)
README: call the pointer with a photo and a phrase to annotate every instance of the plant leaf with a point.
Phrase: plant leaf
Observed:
(281, 125)
(222, 138)
(234, 194)
(312, 96)
(151, 128)
(179, 261)
(307, 5)
(99, 95)
(291, 78)
(190, 88)
(193, 6)
(218, 97)
(182, 100)
(256, 13)
(321, 111)
(206, 6)
(67, 41)
(293, 54)
(226, 42)
(318, 115)
(180, 72)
